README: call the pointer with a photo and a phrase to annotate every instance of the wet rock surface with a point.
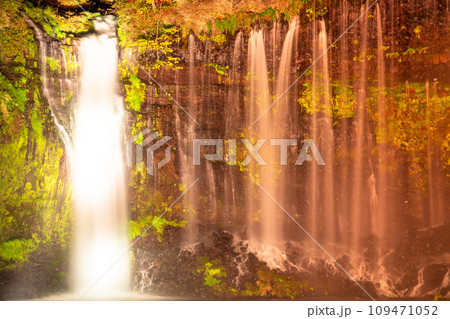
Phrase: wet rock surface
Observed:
(180, 272)
(420, 260)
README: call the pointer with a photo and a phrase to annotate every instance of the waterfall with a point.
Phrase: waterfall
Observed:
(344, 15)
(373, 199)
(330, 219)
(191, 43)
(212, 207)
(380, 180)
(343, 182)
(392, 64)
(98, 171)
(431, 198)
(437, 209)
(186, 134)
(92, 136)
(434, 219)
(284, 79)
(48, 49)
(283, 110)
(382, 214)
(322, 212)
(358, 213)
(264, 221)
(230, 200)
(313, 176)
(258, 73)
(233, 94)
(208, 109)
(276, 31)
(258, 84)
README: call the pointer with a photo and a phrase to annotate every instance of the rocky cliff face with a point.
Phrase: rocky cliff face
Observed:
(162, 73)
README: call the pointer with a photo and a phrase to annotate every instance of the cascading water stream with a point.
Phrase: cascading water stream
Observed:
(230, 191)
(256, 67)
(284, 77)
(283, 112)
(313, 174)
(322, 212)
(47, 51)
(269, 228)
(94, 148)
(330, 220)
(92, 135)
(275, 34)
(381, 216)
(265, 221)
(357, 216)
(186, 134)
(98, 171)
(343, 206)
(431, 198)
